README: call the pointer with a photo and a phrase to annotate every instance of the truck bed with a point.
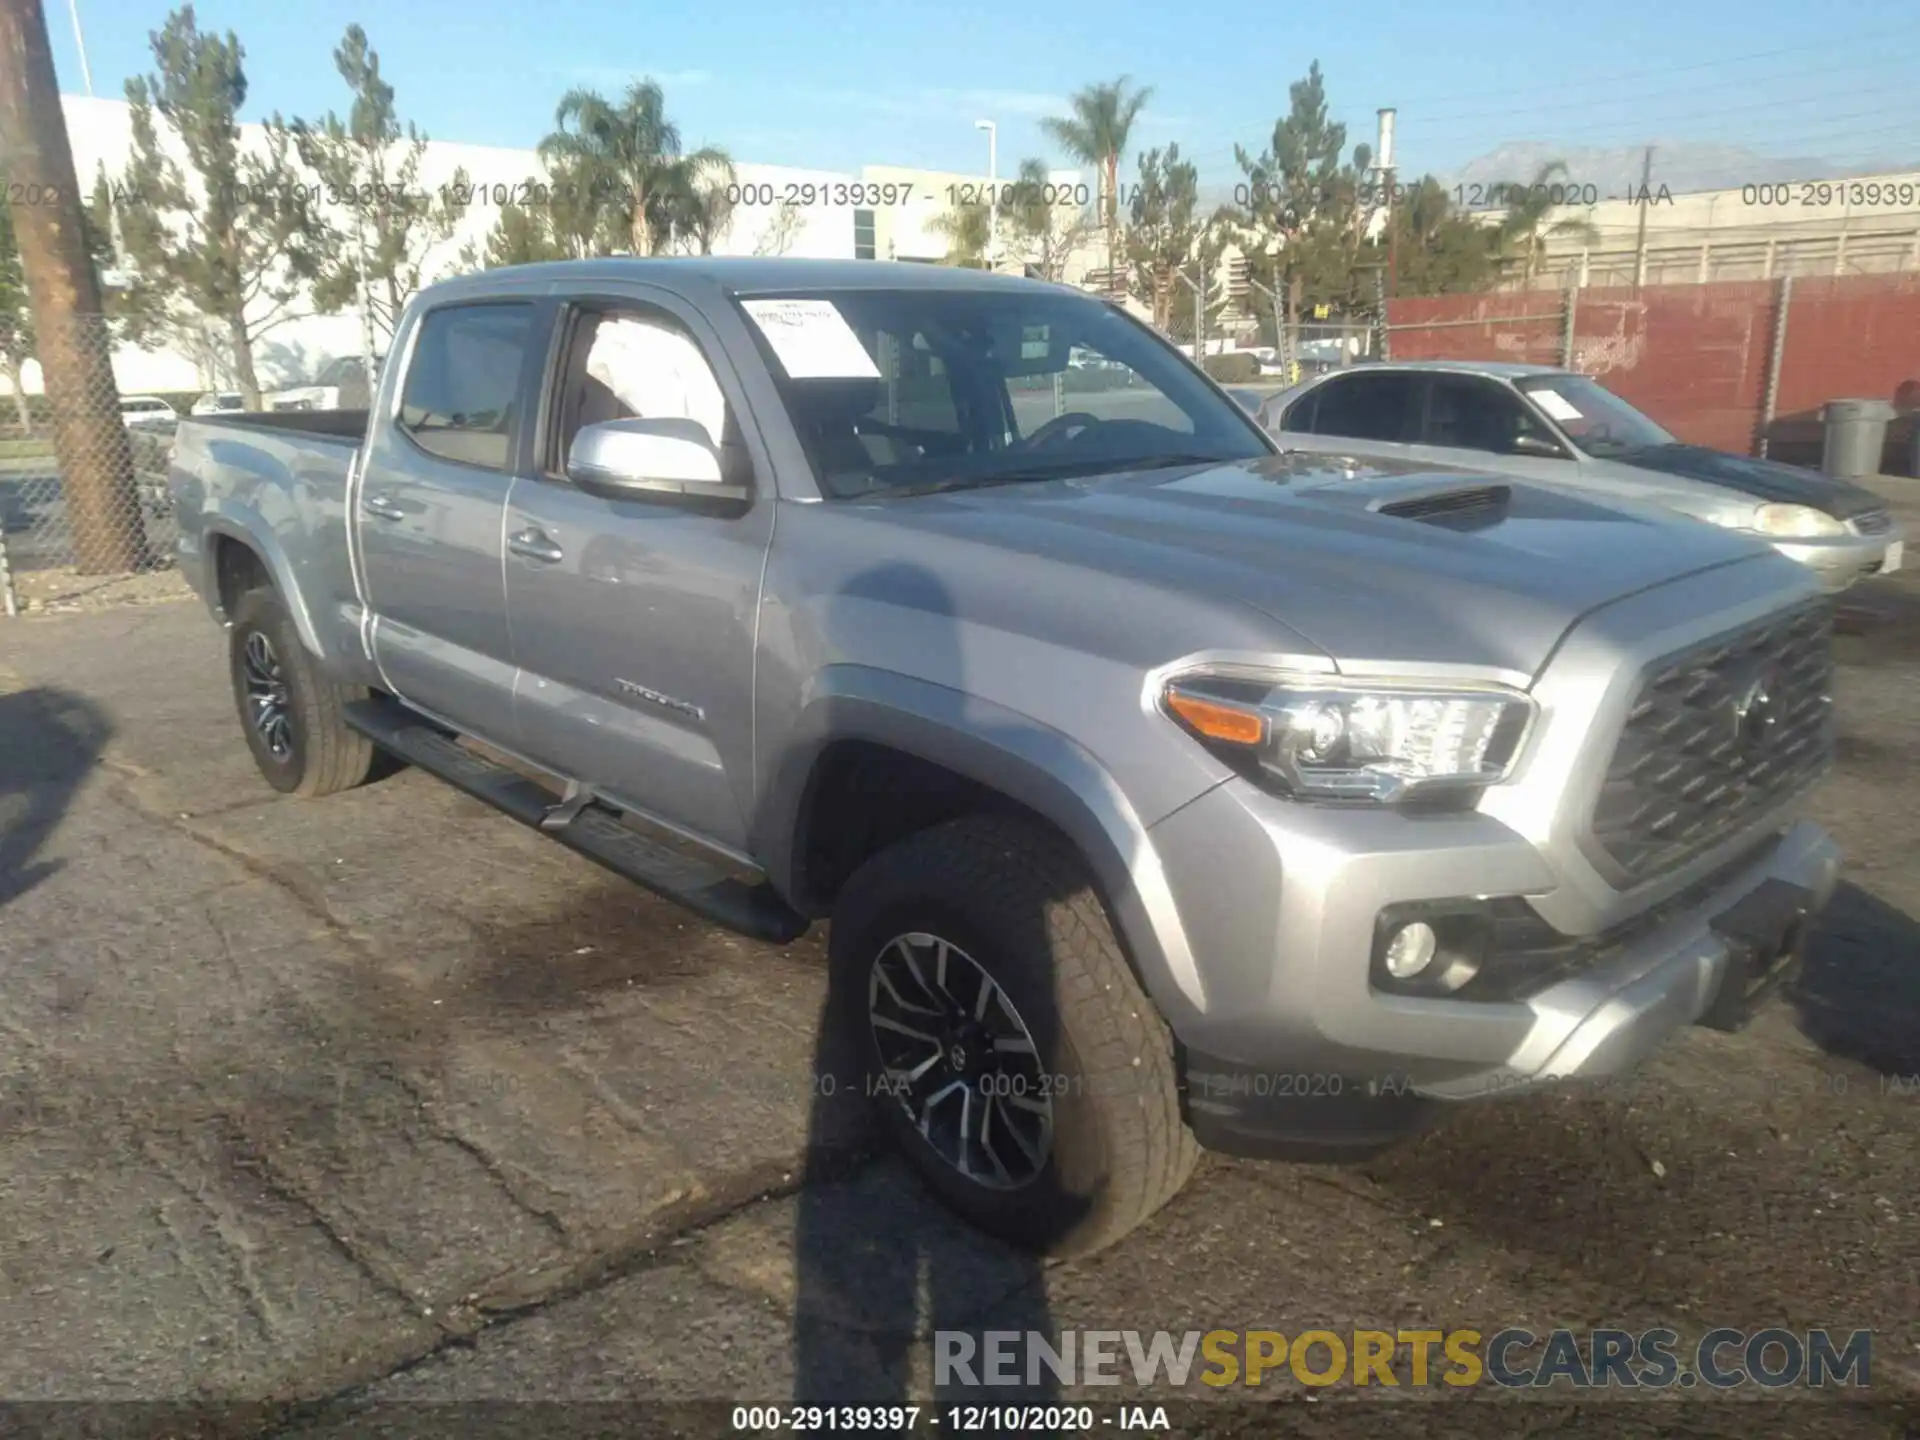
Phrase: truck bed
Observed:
(347, 425)
(281, 479)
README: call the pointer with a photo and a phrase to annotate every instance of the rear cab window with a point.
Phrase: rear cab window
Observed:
(461, 400)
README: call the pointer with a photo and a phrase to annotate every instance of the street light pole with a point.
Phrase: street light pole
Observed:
(80, 44)
(993, 186)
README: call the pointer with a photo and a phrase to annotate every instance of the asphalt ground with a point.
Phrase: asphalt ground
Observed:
(380, 1104)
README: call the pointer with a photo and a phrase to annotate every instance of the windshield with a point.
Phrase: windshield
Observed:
(1597, 420)
(899, 391)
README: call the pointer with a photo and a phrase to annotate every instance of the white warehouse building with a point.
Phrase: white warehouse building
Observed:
(101, 135)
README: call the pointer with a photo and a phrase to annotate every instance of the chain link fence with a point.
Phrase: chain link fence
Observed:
(83, 477)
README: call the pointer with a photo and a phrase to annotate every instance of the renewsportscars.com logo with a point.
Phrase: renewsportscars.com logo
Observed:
(1596, 1359)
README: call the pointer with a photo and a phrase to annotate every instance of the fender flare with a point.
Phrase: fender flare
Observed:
(232, 524)
(1042, 769)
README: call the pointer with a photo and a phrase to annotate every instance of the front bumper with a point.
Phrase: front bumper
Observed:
(1297, 1054)
(1841, 560)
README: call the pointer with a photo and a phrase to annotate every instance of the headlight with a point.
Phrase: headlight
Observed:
(1322, 738)
(1795, 521)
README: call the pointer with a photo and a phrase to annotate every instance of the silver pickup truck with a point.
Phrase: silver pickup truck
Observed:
(1164, 790)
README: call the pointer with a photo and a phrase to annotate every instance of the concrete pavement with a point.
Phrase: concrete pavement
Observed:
(385, 1099)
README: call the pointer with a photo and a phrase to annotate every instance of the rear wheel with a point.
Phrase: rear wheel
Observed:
(1009, 1051)
(290, 710)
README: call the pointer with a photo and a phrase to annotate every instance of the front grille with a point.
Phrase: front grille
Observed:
(1719, 734)
(1874, 522)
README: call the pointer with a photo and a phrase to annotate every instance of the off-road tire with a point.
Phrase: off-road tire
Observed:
(1017, 899)
(326, 755)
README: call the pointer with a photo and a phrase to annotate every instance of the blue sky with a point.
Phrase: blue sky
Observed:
(898, 83)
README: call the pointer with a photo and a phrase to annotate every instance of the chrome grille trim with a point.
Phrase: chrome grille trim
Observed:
(1688, 772)
(1874, 522)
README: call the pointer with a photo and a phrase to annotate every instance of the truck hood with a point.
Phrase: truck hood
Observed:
(1765, 480)
(1303, 539)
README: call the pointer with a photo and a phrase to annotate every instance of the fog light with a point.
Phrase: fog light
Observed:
(1411, 950)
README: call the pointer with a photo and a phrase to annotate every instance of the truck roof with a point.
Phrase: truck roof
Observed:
(748, 275)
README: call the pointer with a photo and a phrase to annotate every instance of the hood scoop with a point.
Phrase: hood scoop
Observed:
(1461, 509)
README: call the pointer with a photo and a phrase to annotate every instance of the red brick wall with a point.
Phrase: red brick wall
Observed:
(1695, 357)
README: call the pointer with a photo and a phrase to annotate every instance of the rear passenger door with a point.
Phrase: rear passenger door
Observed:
(430, 505)
(1370, 412)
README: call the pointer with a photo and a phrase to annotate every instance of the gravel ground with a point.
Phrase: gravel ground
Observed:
(379, 1104)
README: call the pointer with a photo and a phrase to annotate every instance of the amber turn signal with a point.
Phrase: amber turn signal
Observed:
(1216, 720)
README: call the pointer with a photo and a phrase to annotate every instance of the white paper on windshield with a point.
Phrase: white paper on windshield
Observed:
(1555, 404)
(812, 339)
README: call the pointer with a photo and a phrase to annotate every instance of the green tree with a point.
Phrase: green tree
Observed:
(1042, 223)
(692, 207)
(1303, 225)
(16, 319)
(1165, 228)
(241, 240)
(373, 164)
(1525, 227)
(561, 219)
(1097, 133)
(628, 158)
(1438, 250)
(968, 231)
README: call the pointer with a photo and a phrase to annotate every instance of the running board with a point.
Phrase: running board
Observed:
(593, 831)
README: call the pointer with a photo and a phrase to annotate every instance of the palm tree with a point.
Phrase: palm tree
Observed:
(1096, 134)
(1521, 229)
(968, 230)
(690, 208)
(623, 154)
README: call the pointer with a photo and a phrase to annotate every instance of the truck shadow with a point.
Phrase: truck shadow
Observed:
(1859, 996)
(50, 741)
(881, 1267)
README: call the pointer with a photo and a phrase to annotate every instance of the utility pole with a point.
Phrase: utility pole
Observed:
(1282, 350)
(1640, 241)
(89, 440)
(80, 44)
(1384, 160)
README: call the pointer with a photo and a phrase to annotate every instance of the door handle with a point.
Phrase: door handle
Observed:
(536, 544)
(384, 506)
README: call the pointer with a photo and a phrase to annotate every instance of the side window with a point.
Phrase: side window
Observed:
(1299, 416)
(1470, 413)
(634, 364)
(462, 395)
(1366, 407)
(1093, 384)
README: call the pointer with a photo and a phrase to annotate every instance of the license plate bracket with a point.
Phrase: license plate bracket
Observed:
(1765, 933)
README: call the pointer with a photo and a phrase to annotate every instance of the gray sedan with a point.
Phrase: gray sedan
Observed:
(1551, 426)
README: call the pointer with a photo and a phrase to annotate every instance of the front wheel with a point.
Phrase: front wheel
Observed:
(1009, 1051)
(290, 710)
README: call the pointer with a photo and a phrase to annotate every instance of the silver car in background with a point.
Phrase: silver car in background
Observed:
(1555, 427)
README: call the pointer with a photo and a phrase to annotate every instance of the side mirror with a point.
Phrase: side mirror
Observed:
(1527, 443)
(650, 460)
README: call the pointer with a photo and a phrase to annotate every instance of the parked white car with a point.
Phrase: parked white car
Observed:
(147, 410)
(1557, 428)
(219, 402)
